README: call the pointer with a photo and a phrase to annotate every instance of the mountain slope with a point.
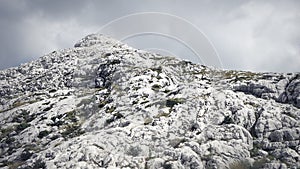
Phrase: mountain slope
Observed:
(104, 104)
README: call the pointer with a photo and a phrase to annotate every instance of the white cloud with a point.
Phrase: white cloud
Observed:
(259, 36)
(253, 35)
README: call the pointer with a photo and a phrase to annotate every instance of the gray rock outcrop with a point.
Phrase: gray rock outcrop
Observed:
(104, 104)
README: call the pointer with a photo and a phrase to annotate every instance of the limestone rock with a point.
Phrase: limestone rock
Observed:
(104, 104)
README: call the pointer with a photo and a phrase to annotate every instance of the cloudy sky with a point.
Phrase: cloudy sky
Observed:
(247, 35)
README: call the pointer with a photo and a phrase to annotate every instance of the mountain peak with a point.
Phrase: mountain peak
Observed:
(94, 39)
(104, 104)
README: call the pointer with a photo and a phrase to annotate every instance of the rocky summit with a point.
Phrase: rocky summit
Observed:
(103, 104)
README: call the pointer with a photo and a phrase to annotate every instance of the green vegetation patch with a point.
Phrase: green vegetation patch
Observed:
(102, 103)
(157, 69)
(72, 130)
(239, 76)
(148, 120)
(176, 142)
(110, 109)
(22, 126)
(71, 116)
(156, 87)
(43, 134)
(175, 101)
(162, 115)
(5, 131)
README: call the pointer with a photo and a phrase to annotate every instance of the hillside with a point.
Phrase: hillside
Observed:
(103, 104)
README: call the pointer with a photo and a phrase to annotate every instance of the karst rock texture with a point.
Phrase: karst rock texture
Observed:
(103, 104)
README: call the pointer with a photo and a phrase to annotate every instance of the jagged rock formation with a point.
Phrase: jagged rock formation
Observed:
(103, 104)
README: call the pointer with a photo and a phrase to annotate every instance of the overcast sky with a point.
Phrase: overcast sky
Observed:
(247, 35)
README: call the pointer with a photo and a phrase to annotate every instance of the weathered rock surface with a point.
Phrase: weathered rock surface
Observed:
(104, 104)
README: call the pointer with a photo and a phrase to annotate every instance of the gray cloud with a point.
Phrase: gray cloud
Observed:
(252, 35)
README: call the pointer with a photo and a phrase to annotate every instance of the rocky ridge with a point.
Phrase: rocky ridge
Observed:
(103, 104)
